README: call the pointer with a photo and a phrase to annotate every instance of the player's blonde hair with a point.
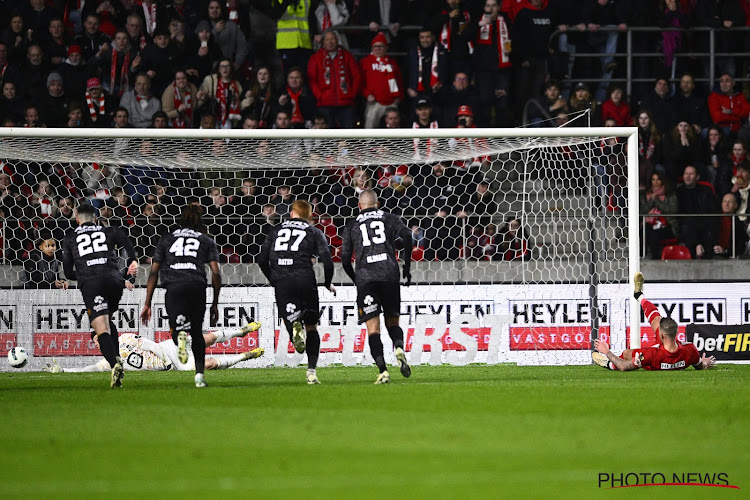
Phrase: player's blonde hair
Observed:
(302, 209)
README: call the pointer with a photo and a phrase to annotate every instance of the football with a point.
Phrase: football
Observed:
(18, 357)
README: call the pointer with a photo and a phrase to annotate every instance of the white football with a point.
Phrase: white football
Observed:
(18, 357)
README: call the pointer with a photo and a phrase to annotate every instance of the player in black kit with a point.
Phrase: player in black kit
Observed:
(180, 258)
(286, 260)
(371, 236)
(90, 256)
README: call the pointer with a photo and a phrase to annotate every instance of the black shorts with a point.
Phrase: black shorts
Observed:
(298, 301)
(102, 297)
(186, 307)
(376, 297)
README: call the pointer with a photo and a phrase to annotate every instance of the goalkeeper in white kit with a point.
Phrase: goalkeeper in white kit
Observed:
(140, 353)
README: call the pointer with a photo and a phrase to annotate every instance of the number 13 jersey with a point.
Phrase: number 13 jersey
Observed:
(371, 236)
(183, 254)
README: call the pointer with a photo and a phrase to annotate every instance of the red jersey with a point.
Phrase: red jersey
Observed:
(658, 358)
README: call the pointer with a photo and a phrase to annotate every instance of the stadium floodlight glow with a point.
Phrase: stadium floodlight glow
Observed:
(574, 192)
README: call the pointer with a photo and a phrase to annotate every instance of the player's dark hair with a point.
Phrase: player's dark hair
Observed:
(192, 218)
(86, 211)
(668, 327)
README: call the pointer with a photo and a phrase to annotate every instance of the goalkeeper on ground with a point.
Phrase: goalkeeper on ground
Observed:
(668, 354)
(140, 353)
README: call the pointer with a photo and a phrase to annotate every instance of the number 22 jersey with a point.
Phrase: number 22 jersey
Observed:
(92, 250)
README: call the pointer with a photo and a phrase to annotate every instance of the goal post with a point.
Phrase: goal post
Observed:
(554, 243)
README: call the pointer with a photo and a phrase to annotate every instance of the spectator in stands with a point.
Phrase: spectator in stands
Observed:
(12, 104)
(440, 188)
(449, 25)
(118, 64)
(122, 207)
(42, 268)
(659, 200)
(728, 107)
(428, 66)
(148, 232)
(283, 200)
(732, 237)
(101, 180)
(43, 199)
(382, 83)
(698, 233)
(383, 15)
(738, 156)
(682, 147)
(741, 190)
(443, 236)
(10, 73)
(328, 15)
(55, 105)
(402, 197)
(672, 17)
(714, 157)
(691, 105)
(616, 107)
(96, 102)
(293, 37)
(457, 94)
(178, 101)
(65, 219)
(722, 15)
(228, 35)
(481, 203)
(221, 93)
(661, 105)
(474, 250)
(532, 28)
(540, 111)
(32, 117)
(92, 41)
(424, 148)
(245, 202)
(250, 121)
(297, 100)
(34, 74)
(140, 102)
(182, 44)
(156, 60)
(391, 118)
(109, 13)
(74, 74)
(121, 118)
(159, 120)
(16, 39)
(335, 81)
(583, 106)
(261, 98)
(604, 14)
(649, 148)
(135, 27)
(205, 56)
(55, 44)
(75, 115)
(511, 241)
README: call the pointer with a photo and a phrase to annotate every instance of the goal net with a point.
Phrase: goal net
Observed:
(525, 240)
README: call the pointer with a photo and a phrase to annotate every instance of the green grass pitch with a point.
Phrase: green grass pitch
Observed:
(447, 432)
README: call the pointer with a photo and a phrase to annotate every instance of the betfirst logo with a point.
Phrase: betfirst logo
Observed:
(727, 342)
(556, 324)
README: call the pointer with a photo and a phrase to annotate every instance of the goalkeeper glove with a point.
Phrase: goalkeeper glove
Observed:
(407, 276)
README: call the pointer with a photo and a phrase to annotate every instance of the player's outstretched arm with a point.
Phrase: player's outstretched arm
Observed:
(705, 362)
(216, 283)
(153, 278)
(617, 361)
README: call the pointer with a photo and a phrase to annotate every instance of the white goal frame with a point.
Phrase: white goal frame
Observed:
(527, 136)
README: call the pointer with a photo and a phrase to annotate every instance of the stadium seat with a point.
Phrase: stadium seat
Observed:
(676, 252)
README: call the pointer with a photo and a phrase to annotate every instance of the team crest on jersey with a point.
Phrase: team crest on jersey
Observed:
(290, 308)
(370, 305)
(99, 304)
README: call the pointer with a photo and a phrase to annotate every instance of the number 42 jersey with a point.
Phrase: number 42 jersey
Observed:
(183, 254)
(90, 252)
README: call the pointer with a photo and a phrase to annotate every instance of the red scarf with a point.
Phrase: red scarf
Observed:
(646, 152)
(142, 43)
(387, 67)
(179, 100)
(433, 68)
(326, 23)
(92, 109)
(503, 40)
(736, 161)
(230, 109)
(123, 71)
(445, 34)
(296, 109)
(338, 61)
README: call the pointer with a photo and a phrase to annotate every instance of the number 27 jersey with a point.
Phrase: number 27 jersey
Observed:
(183, 254)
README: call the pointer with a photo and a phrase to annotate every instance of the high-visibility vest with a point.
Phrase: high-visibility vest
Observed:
(293, 30)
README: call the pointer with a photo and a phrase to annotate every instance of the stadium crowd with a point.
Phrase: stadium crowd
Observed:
(300, 64)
